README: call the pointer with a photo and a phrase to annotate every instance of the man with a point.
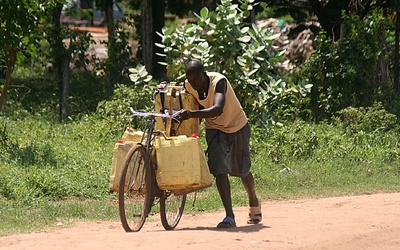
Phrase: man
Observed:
(227, 134)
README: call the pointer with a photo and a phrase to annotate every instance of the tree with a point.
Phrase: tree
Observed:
(61, 60)
(18, 18)
(146, 29)
(111, 39)
(396, 7)
(151, 21)
(328, 13)
(158, 70)
(243, 52)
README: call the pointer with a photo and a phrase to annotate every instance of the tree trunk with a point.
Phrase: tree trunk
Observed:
(396, 55)
(64, 113)
(330, 15)
(146, 27)
(61, 63)
(158, 71)
(12, 56)
(111, 50)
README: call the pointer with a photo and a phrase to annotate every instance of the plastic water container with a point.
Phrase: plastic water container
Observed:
(121, 148)
(181, 164)
(132, 135)
(181, 100)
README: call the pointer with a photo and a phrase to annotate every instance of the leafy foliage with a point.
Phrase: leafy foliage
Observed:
(243, 53)
(120, 54)
(367, 119)
(346, 73)
(139, 97)
(18, 18)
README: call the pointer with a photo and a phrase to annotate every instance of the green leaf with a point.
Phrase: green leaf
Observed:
(160, 45)
(133, 70)
(204, 12)
(241, 60)
(308, 86)
(142, 70)
(190, 28)
(244, 30)
(274, 36)
(196, 56)
(244, 39)
(160, 34)
(252, 72)
(133, 77)
(233, 6)
(232, 14)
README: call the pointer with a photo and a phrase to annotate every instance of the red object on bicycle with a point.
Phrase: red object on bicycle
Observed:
(194, 135)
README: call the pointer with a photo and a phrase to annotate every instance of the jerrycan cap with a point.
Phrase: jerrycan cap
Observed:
(194, 135)
(162, 85)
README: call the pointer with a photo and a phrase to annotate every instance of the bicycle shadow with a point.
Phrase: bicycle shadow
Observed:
(238, 229)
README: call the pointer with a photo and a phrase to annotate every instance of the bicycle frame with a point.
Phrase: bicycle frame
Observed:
(149, 135)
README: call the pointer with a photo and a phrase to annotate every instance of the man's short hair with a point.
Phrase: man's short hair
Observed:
(194, 67)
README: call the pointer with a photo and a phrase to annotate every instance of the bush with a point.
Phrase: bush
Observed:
(346, 73)
(116, 110)
(370, 119)
(243, 53)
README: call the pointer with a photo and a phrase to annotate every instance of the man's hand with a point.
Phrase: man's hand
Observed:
(184, 114)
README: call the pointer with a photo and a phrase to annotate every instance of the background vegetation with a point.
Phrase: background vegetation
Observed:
(328, 127)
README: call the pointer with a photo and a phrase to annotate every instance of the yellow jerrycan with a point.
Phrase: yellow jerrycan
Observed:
(174, 97)
(181, 164)
(129, 139)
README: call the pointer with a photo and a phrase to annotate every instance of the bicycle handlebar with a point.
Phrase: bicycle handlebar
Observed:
(149, 114)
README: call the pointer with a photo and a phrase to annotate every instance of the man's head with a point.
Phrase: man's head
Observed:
(196, 75)
(194, 67)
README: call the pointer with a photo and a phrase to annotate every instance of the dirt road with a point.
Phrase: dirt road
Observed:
(356, 222)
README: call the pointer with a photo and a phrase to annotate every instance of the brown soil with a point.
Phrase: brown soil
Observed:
(353, 222)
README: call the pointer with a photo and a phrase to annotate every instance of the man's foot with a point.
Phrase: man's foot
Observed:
(228, 222)
(255, 215)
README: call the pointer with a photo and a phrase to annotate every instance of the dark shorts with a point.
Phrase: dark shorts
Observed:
(229, 153)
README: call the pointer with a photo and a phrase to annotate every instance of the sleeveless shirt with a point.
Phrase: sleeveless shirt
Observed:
(233, 117)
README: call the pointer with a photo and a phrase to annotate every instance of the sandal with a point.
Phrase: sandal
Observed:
(255, 215)
(227, 222)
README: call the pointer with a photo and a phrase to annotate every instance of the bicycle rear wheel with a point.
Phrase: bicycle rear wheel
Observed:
(171, 209)
(135, 190)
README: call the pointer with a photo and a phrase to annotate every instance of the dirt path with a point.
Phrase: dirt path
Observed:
(356, 222)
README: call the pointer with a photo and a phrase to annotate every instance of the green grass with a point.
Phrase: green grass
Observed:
(54, 174)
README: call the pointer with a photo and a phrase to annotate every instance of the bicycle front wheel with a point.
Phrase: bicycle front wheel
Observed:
(135, 196)
(171, 209)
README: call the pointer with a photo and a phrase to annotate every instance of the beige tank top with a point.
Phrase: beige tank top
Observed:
(233, 117)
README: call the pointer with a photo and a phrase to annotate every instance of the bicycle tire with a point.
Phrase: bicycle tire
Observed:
(171, 209)
(135, 189)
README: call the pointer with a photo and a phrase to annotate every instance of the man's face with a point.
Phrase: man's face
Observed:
(198, 81)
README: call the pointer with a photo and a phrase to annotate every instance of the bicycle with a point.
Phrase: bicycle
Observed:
(138, 187)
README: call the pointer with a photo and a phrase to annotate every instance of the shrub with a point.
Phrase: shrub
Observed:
(116, 110)
(369, 119)
(243, 53)
(346, 73)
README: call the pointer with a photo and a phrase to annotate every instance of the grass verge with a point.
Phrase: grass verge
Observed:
(54, 174)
